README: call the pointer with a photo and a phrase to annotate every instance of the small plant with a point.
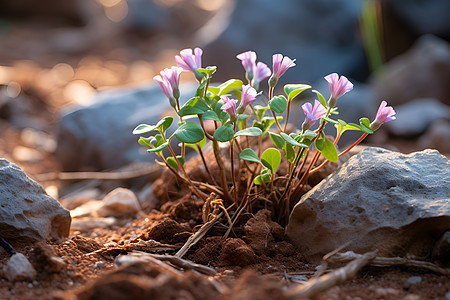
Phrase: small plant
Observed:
(243, 126)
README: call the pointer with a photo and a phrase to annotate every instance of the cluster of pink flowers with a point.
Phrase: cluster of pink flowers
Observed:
(255, 72)
(191, 60)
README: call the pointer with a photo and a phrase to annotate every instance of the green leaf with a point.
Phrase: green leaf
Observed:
(162, 125)
(249, 155)
(265, 177)
(278, 104)
(213, 89)
(320, 142)
(330, 120)
(328, 150)
(171, 161)
(242, 117)
(308, 133)
(229, 86)
(195, 146)
(251, 131)
(159, 148)
(210, 115)
(365, 125)
(271, 159)
(321, 98)
(146, 141)
(260, 110)
(292, 90)
(193, 106)
(291, 141)
(289, 152)
(208, 71)
(189, 132)
(224, 133)
(277, 140)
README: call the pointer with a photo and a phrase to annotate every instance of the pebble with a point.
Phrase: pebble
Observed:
(414, 279)
(19, 268)
(25, 154)
(119, 202)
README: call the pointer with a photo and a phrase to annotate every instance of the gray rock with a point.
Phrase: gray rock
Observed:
(267, 27)
(19, 268)
(378, 199)
(100, 136)
(27, 213)
(414, 117)
(421, 72)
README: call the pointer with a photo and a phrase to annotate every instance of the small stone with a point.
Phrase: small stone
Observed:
(38, 139)
(25, 154)
(119, 202)
(414, 279)
(19, 268)
(88, 224)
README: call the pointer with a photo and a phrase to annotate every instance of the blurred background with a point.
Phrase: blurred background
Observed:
(65, 65)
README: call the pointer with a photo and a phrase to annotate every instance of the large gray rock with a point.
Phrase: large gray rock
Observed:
(27, 213)
(421, 72)
(318, 33)
(100, 136)
(379, 199)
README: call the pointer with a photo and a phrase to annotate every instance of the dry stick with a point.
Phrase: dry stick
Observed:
(344, 152)
(180, 262)
(317, 285)
(391, 261)
(193, 239)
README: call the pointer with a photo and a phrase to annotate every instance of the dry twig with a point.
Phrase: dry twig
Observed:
(390, 261)
(317, 285)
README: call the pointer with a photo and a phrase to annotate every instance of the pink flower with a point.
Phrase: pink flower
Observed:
(169, 81)
(248, 60)
(260, 72)
(248, 95)
(281, 64)
(190, 61)
(338, 87)
(229, 106)
(313, 113)
(384, 114)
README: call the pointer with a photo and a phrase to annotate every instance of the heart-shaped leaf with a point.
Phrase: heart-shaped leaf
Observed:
(251, 131)
(229, 86)
(249, 155)
(171, 161)
(189, 132)
(321, 98)
(292, 90)
(277, 140)
(224, 133)
(162, 125)
(365, 125)
(278, 104)
(193, 106)
(271, 159)
(291, 141)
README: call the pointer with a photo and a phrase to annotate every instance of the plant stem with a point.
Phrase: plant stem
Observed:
(206, 166)
(348, 149)
(222, 171)
(273, 113)
(287, 115)
(194, 188)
